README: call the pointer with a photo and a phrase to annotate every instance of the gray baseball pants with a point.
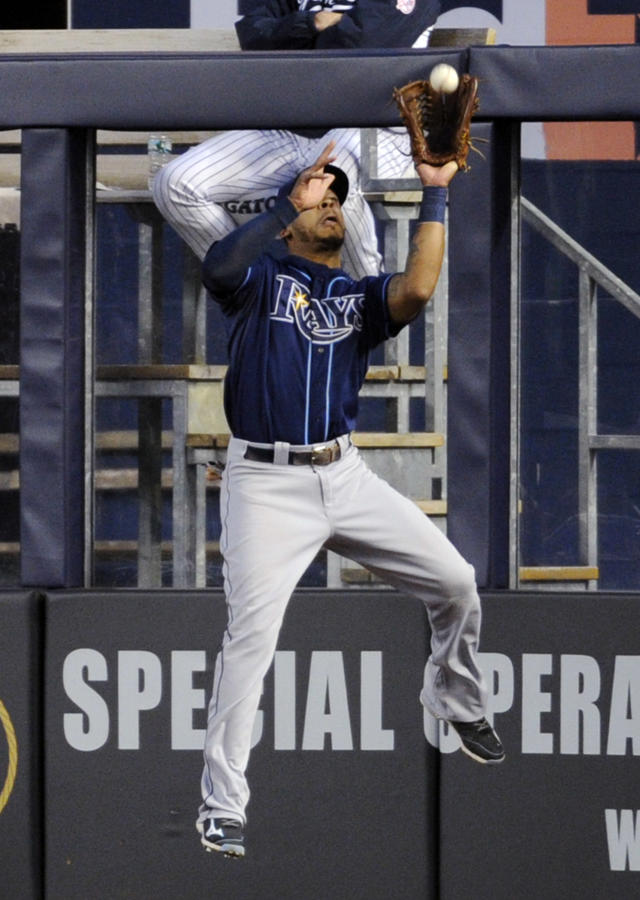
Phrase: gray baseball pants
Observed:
(275, 519)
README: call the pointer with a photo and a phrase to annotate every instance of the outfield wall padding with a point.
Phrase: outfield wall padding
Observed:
(122, 791)
(227, 90)
(349, 797)
(354, 791)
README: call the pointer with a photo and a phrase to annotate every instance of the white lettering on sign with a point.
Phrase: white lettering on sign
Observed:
(535, 703)
(327, 708)
(372, 735)
(139, 690)
(284, 700)
(185, 699)
(579, 714)
(569, 684)
(88, 729)
(327, 705)
(624, 721)
(586, 720)
(623, 839)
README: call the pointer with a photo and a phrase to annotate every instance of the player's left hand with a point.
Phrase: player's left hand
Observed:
(325, 19)
(436, 176)
(312, 183)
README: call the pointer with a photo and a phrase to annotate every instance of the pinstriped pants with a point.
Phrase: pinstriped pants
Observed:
(275, 519)
(213, 187)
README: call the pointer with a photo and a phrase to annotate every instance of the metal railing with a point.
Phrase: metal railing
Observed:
(592, 275)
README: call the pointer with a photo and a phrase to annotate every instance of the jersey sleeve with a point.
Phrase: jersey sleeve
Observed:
(377, 324)
(225, 266)
(253, 292)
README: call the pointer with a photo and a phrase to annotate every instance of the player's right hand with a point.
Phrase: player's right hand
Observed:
(312, 183)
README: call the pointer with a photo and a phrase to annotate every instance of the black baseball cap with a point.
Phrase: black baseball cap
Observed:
(339, 185)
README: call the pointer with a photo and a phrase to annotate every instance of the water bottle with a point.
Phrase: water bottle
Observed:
(159, 153)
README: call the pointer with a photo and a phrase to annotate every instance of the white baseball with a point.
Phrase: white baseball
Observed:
(444, 78)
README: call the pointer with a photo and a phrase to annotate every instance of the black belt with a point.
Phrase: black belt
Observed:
(319, 456)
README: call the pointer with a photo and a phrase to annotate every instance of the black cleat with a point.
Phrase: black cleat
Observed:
(479, 741)
(222, 835)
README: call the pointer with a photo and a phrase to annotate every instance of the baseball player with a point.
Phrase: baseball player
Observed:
(212, 188)
(300, 333)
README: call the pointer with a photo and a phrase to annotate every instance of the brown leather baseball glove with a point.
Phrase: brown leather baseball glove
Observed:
(439, 124)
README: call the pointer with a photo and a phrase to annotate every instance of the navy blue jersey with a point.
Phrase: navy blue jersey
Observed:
(299, 344)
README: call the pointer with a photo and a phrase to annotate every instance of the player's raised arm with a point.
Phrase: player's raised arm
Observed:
(311, 184)
(226, 262)
(411, 290)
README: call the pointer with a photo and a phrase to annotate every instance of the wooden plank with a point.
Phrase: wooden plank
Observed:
(9, 548)
(127, 440)
(119, 40)
(105, 480)
(10, 170)
(383, 439)
(9, 208)
(142, 373)
(219, 441)
(461, 37)
(218, 372)
(411, 198)
(118, 171)
(176, 40)
(352, 575)
(125, 548)
(11, 137)
(207, 373)
(412, 373)
(184, 372)
(364, 439)
(383, 373)
(396, 373)
(114, 548)
(125, 172)
(202, 440)
(126, 479)
(10, 481)
(559, 573)
(111, 138)
(9, 443)
(432, 507)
